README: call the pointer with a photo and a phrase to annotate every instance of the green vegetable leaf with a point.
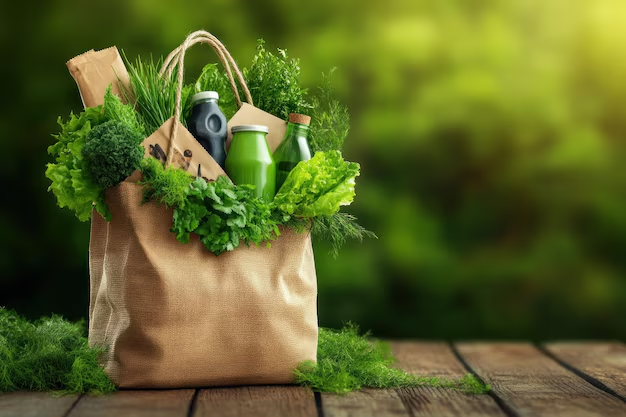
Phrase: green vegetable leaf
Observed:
(319, 186)
(72, 183)
(221, 213)
(237, 221)
(214, 79)
(330, 202)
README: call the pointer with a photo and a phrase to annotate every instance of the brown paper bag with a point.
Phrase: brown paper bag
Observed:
(188, 153)
(173, 315)
(95, 71)
(250, 115)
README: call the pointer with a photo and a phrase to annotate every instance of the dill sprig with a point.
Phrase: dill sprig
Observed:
(50, 354)
(168, 186)
(347, 361)
(337, 229)
(330, 120)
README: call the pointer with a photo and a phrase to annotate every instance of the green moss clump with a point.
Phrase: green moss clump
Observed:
(347, 361)
(50, 354)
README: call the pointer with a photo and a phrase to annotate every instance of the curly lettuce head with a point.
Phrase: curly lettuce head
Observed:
(71, 182)
(319, 186)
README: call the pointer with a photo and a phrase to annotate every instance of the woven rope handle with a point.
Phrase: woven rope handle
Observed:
(176, 59)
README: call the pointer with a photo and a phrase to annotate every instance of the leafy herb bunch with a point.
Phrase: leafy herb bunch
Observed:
(274, 83)
(222, 214)
(100, 147)
(95, 149)
(50, 354)
(72, 183)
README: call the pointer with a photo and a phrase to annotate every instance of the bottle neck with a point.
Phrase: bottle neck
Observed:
(296, 130)
(205, 100)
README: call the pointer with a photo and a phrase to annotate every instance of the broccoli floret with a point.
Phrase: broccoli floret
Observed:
(112, 152)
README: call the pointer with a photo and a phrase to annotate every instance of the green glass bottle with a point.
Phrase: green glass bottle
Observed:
(249, 160)
(294, 147)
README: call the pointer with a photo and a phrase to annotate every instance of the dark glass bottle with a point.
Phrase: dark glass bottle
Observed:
(208, 124)
(294, 147)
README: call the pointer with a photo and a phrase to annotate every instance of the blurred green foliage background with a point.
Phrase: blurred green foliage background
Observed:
(491, 134)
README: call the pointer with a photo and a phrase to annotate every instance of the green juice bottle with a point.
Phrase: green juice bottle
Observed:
(249, 160)
(293, 149)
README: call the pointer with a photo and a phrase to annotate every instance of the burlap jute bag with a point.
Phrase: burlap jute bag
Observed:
(174, 315)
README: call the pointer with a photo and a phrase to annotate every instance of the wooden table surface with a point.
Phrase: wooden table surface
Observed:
(556, 379)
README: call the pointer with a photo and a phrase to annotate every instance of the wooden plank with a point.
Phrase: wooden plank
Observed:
(437, 359)
(367, 402)
(604, 362)
(35, 404)
(529, 383)
(148, 403)
(433, 359)
(270, 401)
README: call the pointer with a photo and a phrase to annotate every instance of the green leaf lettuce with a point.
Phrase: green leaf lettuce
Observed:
(319, 186)
(71, 182)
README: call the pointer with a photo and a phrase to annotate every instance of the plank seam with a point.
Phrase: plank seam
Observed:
(318, 403)
(506, 409)
(192, 403)
(587, 378)
(74, 404)
(405, 402)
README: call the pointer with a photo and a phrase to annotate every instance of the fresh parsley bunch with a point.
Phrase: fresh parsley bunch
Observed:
(223, 215)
